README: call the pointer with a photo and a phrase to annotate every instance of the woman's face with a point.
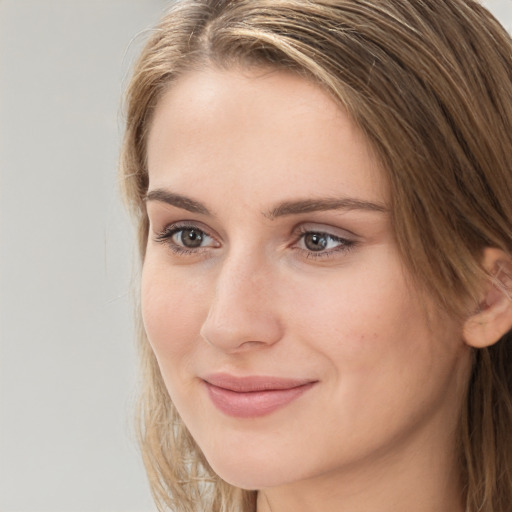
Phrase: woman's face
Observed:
(288, 333)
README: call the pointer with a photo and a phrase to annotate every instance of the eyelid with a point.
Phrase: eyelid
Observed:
(185, 224)
(335, 231)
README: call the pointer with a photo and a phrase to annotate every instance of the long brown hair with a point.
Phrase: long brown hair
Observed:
(430, 84)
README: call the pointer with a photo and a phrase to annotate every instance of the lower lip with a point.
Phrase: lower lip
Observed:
(254, 403)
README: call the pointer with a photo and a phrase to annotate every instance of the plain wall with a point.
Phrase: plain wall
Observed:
(67, 351)
(67, 359)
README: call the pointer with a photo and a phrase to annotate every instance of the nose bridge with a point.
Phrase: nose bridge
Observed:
(241, 312)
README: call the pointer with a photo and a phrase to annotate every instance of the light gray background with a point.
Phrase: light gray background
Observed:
(67, 357)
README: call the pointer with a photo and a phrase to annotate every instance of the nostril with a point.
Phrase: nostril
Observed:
(231, 341)
(240, 334)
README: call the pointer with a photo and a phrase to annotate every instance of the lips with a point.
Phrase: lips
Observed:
(249, 397)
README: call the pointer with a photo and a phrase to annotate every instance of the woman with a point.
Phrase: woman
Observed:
(322, 190)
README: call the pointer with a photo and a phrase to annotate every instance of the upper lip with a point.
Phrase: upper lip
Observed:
(252, 383)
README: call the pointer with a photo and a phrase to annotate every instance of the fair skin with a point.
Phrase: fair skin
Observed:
(271, 254)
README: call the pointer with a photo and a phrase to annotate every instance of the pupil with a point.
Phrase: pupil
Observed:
(191, 238)
(315, 241)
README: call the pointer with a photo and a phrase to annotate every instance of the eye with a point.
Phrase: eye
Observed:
(319, 241)
(186, 239)
(189, 237)
(317, 244)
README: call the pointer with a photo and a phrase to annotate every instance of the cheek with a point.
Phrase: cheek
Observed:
(386, 366)
(172, 314)
(373, 332)
(354, 313)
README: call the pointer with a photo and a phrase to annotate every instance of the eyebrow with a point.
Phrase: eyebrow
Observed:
(318, 205)
(183, 202)
(281, 210)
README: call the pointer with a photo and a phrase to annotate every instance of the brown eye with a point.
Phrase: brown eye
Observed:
(316, 241)
(189, 237)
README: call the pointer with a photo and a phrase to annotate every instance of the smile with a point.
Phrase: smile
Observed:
(250, 397)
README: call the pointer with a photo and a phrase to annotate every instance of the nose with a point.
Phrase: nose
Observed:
(242, 313)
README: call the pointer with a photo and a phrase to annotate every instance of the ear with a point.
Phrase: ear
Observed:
(494, 316)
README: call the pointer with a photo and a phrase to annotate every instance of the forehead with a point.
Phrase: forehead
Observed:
(261, 133)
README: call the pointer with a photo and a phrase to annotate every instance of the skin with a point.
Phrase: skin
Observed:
(377, 429)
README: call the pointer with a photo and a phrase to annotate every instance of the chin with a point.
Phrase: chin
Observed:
(252, 473)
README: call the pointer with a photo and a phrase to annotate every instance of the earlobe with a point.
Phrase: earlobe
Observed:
(494, 317)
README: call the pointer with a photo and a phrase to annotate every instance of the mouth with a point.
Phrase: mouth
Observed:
(253, 396)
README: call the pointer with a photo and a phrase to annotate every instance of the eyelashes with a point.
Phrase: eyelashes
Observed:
(187, 239)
